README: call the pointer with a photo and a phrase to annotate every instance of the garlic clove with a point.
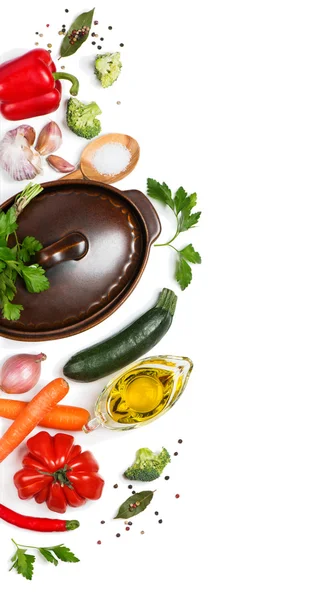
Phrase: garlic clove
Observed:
(60, 164)
(49, 140)
(28, 133)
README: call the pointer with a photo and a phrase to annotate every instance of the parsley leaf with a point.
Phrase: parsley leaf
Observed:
(8, 222)
(180, 200)
(23, 563)
(6, 254)
(64, 553)
(182, 205)
(183, 273)
(48, 556)
(14, 257)
(34, 278)
(28, 248)
(188, 220)
(190, 254)
(160, 191)
(11, 311)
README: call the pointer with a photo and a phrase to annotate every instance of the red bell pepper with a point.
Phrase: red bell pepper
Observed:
(30, 86)
(55, 471)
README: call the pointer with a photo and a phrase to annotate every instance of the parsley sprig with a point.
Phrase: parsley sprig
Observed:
(24, 563)
(13, 259)
(182, 205)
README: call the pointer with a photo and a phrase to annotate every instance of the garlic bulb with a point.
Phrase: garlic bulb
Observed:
(49, 139)
(17, 156)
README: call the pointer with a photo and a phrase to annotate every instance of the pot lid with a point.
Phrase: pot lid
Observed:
(96, 241)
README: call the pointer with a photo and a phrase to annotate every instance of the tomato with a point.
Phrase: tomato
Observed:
(57, 472)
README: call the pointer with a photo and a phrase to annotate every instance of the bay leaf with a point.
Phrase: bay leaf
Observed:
(127, 512)
(85, 19)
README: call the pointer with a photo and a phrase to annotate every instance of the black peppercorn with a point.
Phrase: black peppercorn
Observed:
(116, 485)
(133, 492)
(156, 513)
(179, 441)
(129, 522)
(99, 47)
(66, 10)
(130, 487)
(118, 535)
(160, 521)
(166, 477)
(110, 27)
(121, 45)
(175, 453)
(102, 522)
(93, 43)
(101, 39)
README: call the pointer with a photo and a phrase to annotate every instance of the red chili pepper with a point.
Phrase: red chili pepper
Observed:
(55, 471)
(36, 523)
(30, 86)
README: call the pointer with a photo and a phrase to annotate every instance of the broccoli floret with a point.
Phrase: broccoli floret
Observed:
(108, 67)
(81, 118)
(148, 465)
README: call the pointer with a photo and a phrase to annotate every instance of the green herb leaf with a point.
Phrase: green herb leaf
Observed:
(64, 554)
(188, 220)
(7, 222)
(48, 556)
(83, 20)
(23, 563)
(160, 191)
(6, 254)
(28, 248)
(189, 253)
(34, 278)
(192, 201)
(183, 273)
(127, 512)
(11, 311)
(181, 200)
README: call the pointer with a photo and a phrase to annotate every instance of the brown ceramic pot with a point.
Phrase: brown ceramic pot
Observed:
(96, 241)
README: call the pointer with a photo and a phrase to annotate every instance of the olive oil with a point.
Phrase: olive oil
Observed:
(141, 393)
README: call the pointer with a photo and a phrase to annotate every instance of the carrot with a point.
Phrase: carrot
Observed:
(68, 418)
(32, 414)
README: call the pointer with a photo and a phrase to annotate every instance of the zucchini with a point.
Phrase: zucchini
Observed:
(126, 346)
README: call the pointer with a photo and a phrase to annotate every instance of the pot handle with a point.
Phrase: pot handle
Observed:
(148, 212)
(73, 246)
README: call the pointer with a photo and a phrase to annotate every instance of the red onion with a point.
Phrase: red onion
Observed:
(20, 373)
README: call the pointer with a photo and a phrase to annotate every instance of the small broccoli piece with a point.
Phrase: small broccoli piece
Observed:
(148, 465)
(108, 67)
(81, 118)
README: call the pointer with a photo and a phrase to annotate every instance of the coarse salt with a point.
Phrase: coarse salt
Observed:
(111, 159)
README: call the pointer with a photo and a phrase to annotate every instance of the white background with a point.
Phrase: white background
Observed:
(228, 99)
